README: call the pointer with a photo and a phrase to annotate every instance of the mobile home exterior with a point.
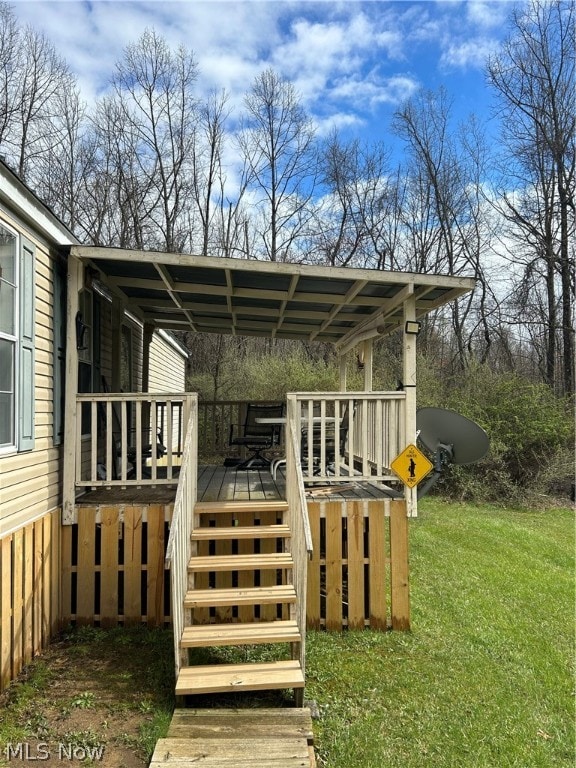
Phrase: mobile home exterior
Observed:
(34, 248)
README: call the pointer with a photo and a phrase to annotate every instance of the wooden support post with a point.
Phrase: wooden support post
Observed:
(409, 379)
(117, 317)
(146, 342)
(368, 365)
(342, 361)
(75, 279)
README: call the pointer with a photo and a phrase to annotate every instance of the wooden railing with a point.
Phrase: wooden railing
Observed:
(347, 434)
(130, 439)
(215, 419)
(179, 548)
(301, 536)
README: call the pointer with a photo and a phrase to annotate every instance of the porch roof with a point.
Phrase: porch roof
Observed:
(273, 299)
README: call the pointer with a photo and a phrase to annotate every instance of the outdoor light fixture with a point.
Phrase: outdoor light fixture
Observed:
(81, 329)
(412, 327)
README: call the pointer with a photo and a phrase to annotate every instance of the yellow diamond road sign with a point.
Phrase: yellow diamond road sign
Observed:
(411, 466)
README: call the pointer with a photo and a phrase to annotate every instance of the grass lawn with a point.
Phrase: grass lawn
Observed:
(485, 678)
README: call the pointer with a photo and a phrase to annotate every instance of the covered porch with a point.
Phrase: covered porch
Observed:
(326, 541)
(110, 437)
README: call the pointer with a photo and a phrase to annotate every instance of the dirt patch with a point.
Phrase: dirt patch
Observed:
(94, 697)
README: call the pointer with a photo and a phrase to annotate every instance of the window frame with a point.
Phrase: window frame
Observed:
(23, 341)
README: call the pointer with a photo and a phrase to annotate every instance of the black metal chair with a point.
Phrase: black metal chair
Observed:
(331, 450)
(258, 437)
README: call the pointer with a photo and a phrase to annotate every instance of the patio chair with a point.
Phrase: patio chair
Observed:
(331, 450)
(329, 442)
(258, 437)
(146, 449)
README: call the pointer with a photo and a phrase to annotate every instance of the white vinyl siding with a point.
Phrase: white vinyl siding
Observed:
(30, 468)
(167, 366)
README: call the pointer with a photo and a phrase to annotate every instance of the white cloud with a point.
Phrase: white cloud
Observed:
(468, 53)
(337, 121)
(487, 13)
(350, 61)
(371, 90)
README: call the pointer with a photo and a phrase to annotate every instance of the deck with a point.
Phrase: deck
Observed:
(220, 483)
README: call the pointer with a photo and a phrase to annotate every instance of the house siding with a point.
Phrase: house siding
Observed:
(167, 366)
(30, 492)
(30, 481)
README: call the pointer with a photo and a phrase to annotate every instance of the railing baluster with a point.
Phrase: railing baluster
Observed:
(94, 439)
(127, 425)
(109, 444)
(139, 430)
(168, 440)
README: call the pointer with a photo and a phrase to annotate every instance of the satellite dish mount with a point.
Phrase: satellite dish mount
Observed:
(452, 438)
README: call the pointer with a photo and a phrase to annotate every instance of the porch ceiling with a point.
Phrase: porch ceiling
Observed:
(255, 298)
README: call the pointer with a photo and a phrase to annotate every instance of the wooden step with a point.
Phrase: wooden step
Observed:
(232, 738)
(211, 507)
(274, 560)
(224, 678)
(232, 753)
(241, 532)
(258, 722)
(255, 633)
(204, 598)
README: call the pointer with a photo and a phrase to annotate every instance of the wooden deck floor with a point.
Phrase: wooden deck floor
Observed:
(219, 483)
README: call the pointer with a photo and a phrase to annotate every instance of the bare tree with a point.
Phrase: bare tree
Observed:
(9, 63)
(277, 143)
(33, 78)
(533, 79)
(59, 172)
(356, 220)
(208, 162)
(154, 94)
(444, 219)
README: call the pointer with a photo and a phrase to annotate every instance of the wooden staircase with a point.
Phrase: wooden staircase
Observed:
(232, 738)
(240, 592)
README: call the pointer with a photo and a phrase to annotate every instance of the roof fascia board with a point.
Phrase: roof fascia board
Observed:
(350, 274)
(376, 318)
(19, 199)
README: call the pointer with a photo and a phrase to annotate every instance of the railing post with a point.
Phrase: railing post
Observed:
(75, 275)
(409, 374)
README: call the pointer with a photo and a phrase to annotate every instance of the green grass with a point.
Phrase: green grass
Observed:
(485, 676)
(483, 680)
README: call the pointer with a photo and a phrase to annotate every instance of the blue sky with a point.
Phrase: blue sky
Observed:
(352, 62)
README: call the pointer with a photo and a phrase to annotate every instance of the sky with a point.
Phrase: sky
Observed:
(353, 63)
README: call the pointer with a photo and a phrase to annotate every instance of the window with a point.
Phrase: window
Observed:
(16, 341)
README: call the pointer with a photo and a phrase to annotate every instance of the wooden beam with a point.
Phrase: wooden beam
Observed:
(409, 381)
(75, 280)
(376, 319)
(367, 349)
(348, 298)
(342, 368)
(273, 268)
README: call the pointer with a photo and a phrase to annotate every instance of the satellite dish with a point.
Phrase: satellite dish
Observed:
(440, 427)
(452, 438)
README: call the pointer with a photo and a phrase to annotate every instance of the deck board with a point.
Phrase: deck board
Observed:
(219, 483)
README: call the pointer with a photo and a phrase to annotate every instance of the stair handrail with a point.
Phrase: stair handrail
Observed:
(301, 534)
(179, 547)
